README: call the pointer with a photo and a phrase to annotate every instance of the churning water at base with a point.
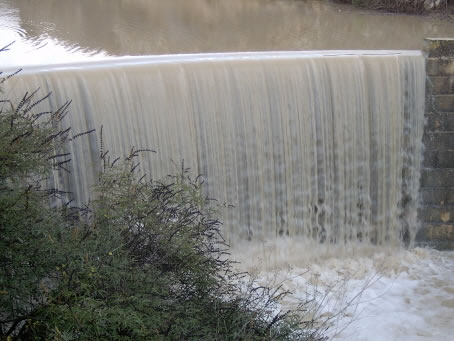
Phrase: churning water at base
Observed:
(321, 146)
(373, 295)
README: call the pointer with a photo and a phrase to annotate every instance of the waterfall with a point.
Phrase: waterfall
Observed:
(323, 146)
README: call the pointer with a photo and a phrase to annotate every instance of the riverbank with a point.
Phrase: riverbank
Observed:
(405, 6)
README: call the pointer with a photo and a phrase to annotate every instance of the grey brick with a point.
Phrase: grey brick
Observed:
(439, 47)
(441, 214)
(440, 66)
(443, 103)
(438, 196)
(437, 177)
(437, 122)
(438, 159)
(441, 85)
(436, 232)
(439, 140)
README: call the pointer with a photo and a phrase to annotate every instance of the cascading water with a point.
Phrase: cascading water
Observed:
(319, 146)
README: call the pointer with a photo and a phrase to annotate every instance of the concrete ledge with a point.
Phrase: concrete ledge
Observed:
(440, 66)
(440, 215)
(439, 140)
(438, 196)
(433, 177)
(441, 85)
(436, 122)
(439, 47)
(438, 158)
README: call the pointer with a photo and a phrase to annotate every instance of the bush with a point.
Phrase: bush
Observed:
(29, 230)
(145, 261)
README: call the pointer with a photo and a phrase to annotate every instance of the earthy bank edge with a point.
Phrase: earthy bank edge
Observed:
(404, 6)
(437, 176)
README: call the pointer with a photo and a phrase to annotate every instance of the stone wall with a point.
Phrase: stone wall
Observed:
(437, 178)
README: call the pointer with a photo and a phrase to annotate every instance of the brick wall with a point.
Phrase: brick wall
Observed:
(437, 178)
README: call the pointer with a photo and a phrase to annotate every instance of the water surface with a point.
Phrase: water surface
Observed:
(55, 31)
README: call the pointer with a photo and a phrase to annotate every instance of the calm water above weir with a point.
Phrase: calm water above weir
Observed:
(49, 31)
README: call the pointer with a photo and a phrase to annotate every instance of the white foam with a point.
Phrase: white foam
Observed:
(405, 295)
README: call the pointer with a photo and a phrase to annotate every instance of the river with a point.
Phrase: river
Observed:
(54, 31)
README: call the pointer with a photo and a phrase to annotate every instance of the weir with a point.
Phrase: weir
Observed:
(321, 146)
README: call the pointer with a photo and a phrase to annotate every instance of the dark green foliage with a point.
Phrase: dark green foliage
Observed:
(145, 261)
(28, 229)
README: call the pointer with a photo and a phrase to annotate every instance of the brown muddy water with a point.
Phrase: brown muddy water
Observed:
(50, 31)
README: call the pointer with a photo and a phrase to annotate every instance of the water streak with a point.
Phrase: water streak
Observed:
(323, 146)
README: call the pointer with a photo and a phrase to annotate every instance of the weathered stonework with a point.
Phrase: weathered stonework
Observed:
(438, 159)
(442, 84)
(437, 177)
(439, 47)
(440, 121)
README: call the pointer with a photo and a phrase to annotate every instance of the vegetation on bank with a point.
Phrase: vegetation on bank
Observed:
(144, 261)
(403, 6)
